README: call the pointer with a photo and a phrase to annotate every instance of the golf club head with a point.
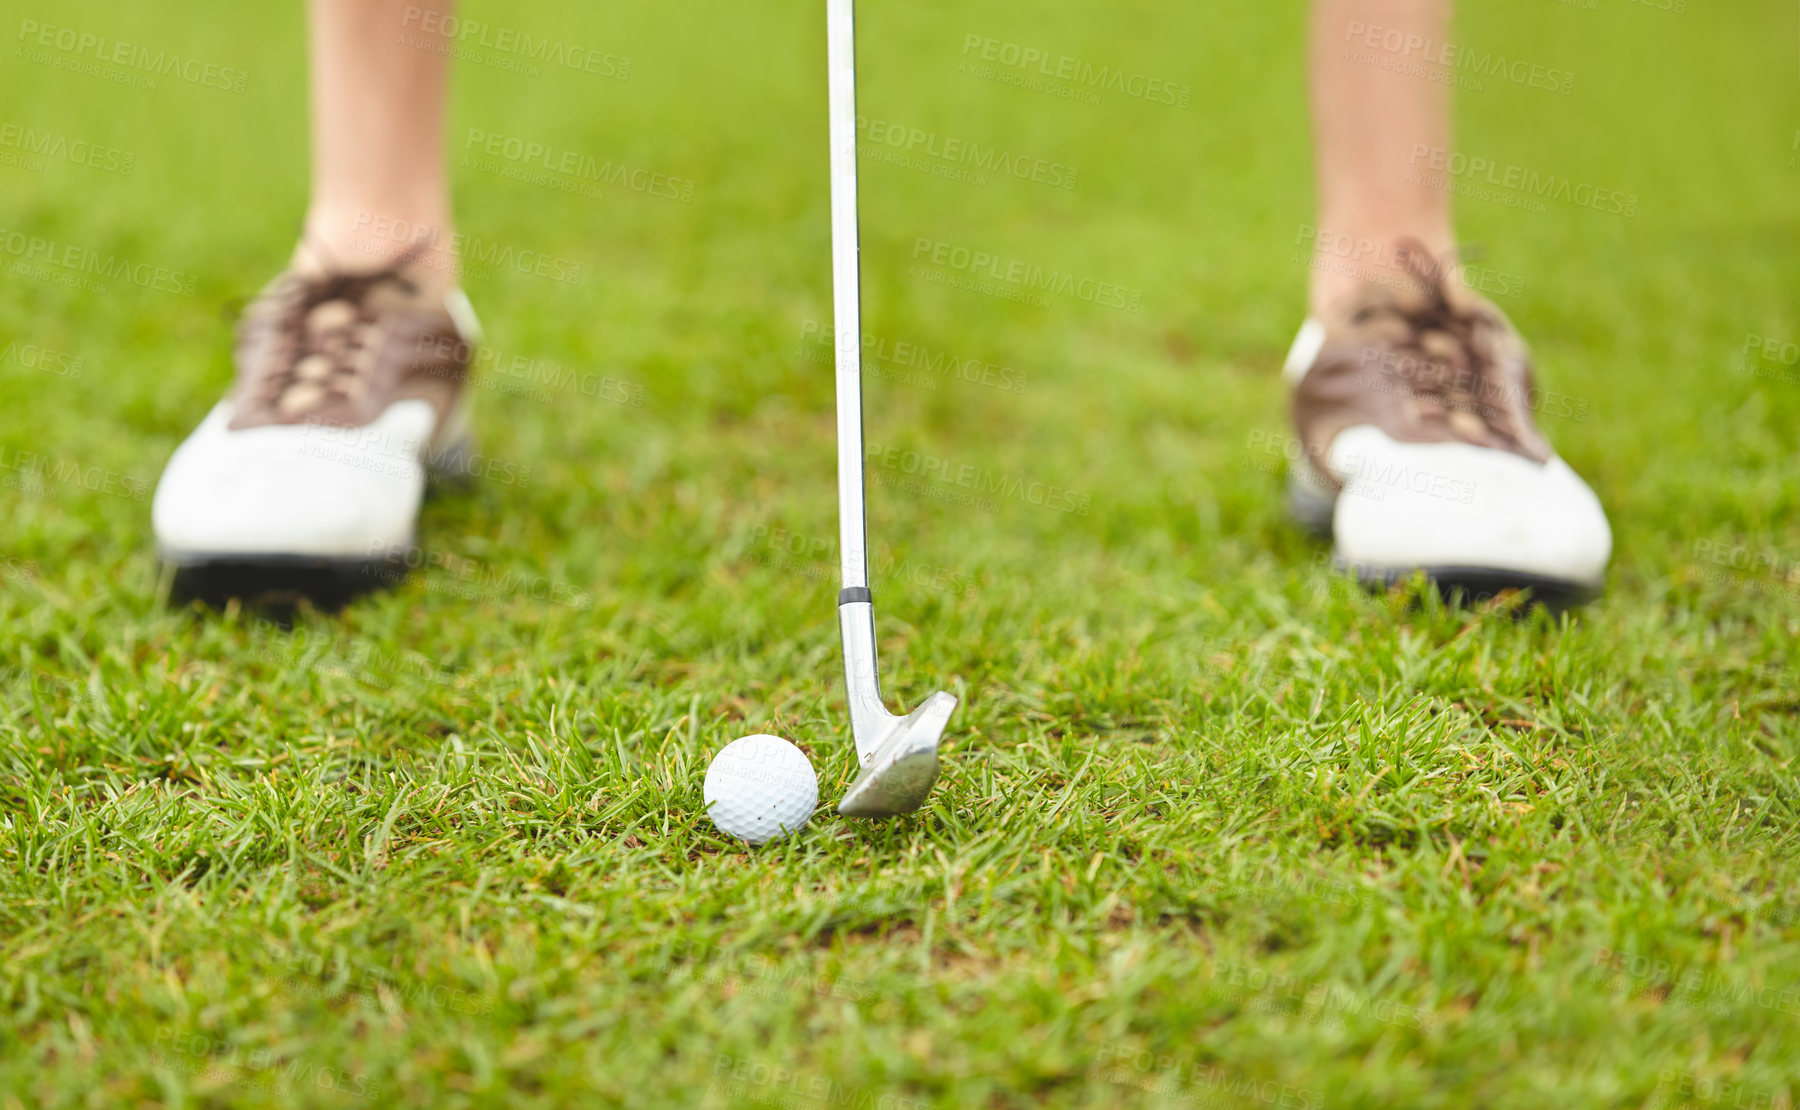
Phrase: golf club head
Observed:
(898, 775)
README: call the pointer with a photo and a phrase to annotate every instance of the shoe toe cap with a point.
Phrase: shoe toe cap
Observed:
(287, 491)
(1442, 505)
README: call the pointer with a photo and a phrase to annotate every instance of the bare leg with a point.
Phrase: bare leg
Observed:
(379, 180)
(1368, 124)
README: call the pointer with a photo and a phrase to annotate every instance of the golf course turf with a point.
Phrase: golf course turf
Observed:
(1214, 827)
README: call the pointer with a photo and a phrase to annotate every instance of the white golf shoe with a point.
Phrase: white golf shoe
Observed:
(308, 477)
(1419, 451)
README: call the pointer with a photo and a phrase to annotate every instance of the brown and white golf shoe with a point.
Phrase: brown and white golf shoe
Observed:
(1419, 451)
(308, 477)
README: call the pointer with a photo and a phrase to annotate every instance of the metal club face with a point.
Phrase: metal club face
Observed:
(899, 754)
(899, 776)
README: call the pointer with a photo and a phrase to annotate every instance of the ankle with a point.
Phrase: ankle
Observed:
(368, 239)
(1345, 261)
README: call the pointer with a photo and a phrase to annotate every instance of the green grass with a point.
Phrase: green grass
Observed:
(1213, 828)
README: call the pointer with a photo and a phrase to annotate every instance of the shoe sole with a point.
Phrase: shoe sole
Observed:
(1312, 507)
(278, 581)
(1471, 585)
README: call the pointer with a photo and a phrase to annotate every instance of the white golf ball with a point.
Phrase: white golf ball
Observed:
(759, 788)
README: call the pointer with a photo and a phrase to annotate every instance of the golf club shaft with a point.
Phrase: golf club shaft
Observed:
(856, 611)
(845, 293)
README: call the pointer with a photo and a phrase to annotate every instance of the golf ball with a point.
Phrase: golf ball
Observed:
(759, 788)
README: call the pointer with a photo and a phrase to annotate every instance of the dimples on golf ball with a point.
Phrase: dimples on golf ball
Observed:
(759, 788)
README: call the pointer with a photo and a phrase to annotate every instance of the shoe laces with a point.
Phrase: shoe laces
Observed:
(329, 340)
(1451, 343)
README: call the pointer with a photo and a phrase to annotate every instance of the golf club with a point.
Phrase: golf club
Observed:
(898, 754)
